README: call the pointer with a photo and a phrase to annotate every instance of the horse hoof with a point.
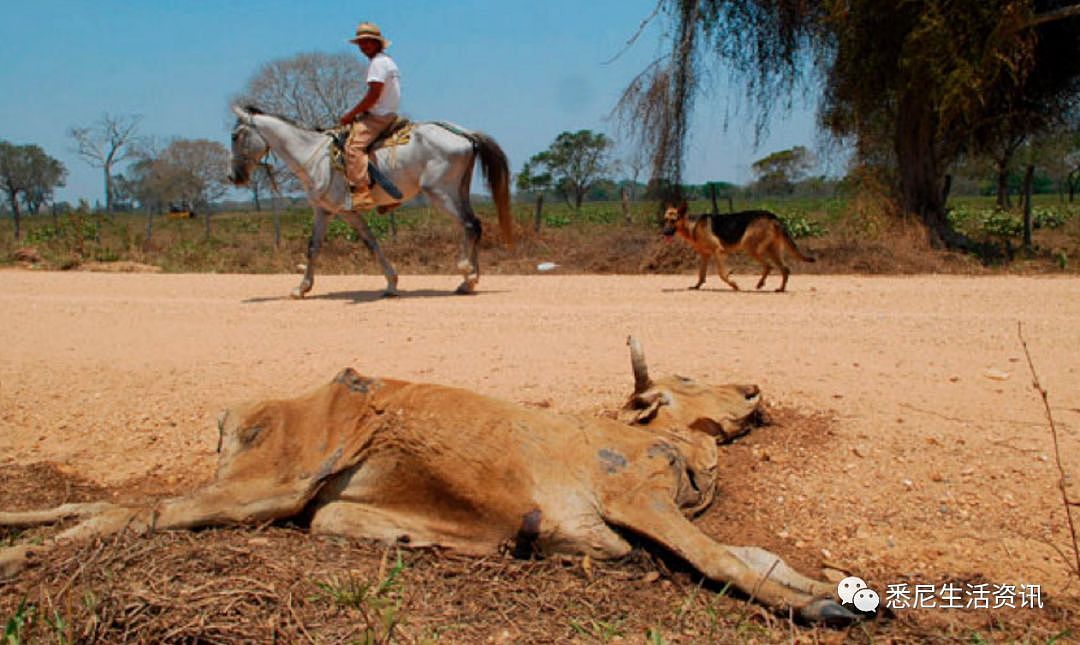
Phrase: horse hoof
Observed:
(390, 293)
(296, 294)
(466, 289)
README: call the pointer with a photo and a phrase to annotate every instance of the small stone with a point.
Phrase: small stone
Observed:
(995, 374)
(650, 577)
(908, 484)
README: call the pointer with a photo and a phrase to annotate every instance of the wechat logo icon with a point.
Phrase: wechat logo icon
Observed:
(854, 594)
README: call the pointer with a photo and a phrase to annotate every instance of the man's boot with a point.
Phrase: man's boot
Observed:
(362, 202)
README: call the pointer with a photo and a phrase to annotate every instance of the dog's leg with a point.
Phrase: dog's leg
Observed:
(721, 268)
(777, 258)
(703, 267)
(766, 268)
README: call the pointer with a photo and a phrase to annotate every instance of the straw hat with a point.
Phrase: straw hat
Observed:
(368, 31)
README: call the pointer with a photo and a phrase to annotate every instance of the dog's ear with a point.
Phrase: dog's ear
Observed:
(683, 207)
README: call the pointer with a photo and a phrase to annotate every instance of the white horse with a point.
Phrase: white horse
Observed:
(437, 161)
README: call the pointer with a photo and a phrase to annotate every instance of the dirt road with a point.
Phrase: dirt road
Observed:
(932, 460)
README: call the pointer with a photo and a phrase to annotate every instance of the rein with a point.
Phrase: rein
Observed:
(302, 172)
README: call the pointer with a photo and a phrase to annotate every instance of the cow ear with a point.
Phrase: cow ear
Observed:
(644, 415)
(642, 409)
(683, 208)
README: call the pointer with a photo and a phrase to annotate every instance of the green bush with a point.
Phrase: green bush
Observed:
(799, 226)
(1048, 218)
(1002, 224)
(556, 220)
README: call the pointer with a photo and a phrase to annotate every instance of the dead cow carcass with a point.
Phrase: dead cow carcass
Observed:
(423, 464)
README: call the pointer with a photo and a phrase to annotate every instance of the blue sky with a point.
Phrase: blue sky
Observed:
(521, 71)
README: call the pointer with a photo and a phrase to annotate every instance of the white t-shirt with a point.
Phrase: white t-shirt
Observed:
(382, 69)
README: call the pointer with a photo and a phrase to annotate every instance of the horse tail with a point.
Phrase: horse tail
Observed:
(496, 169)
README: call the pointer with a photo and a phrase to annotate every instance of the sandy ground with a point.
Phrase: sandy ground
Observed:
(935, 462)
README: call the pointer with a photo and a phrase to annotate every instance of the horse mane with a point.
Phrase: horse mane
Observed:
(252, 109)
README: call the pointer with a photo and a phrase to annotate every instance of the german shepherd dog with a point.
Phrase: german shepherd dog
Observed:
(760, 234)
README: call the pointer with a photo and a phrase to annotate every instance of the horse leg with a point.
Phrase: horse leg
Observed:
(318, 232)
(459, 209)
(357, 221)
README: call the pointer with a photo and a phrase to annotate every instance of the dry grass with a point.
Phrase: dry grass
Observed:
(857, 240)
(280, 583)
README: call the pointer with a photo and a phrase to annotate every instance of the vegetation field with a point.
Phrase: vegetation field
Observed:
(846, 236)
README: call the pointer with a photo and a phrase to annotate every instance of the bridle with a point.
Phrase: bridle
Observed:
(301, 171)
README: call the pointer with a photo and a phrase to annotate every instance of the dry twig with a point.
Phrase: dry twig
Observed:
(1066, 502)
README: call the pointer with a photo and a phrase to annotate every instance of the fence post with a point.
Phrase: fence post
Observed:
(1029, 179)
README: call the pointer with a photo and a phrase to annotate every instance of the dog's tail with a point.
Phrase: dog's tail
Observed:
(790, 244)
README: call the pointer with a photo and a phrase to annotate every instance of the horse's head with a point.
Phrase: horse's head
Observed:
(248, 146)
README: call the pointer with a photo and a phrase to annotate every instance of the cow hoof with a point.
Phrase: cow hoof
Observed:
(828, 612)
(296, 294)
(14, 559)
(390, 293)
(466, 288)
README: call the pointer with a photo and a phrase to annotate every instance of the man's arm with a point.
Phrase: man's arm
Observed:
(365, 104)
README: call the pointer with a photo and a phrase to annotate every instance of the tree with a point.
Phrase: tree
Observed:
(204, 165)
(931, 77)
(531, 181)
(105, 144)
(575, 161)
(779, 171)
(314, 89)
(29, 175)
(46, 175)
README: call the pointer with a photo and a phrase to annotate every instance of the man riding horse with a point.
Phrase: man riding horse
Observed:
(373, 114)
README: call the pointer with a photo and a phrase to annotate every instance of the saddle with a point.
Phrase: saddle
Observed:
(398, 133)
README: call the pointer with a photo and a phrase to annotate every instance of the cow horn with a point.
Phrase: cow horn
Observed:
(637, 360)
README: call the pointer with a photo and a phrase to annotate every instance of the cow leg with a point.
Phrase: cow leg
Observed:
(98, 519)
(360, 225)
(318, 232)
(754, 571)
(404, 526)
(244, 502)
(27, 519)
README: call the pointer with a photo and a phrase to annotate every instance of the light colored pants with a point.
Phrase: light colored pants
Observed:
(364, 131)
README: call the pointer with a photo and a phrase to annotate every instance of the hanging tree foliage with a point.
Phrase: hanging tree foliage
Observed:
(916, 82)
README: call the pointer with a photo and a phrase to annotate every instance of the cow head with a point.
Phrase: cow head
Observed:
(676, 403)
